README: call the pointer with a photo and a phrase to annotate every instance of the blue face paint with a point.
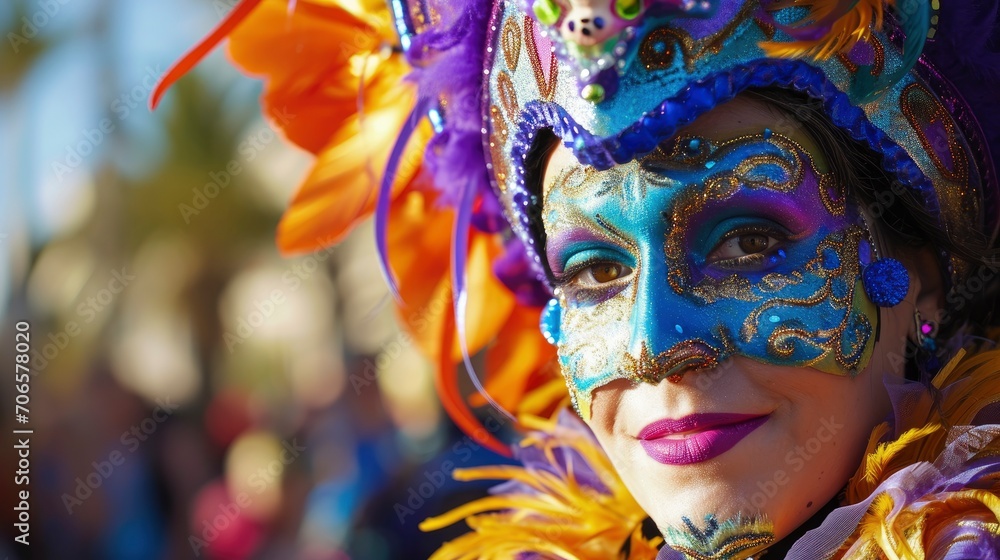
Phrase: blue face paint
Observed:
(700, 252)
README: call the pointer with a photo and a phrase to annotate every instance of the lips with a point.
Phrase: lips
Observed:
(698, 437)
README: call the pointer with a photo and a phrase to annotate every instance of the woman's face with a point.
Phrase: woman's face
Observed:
(713, 329)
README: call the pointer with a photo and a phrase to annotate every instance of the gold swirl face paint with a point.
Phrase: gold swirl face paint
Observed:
(701, 251)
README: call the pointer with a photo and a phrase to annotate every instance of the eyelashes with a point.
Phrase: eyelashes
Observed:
(749, 249)
(601, 274)
(594, 273)
(594, 280)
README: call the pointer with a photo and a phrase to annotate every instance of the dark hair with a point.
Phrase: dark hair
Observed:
(534, 173)
(901, 218)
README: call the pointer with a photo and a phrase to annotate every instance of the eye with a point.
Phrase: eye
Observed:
(754, 242)
(599, 274)
(748, 250)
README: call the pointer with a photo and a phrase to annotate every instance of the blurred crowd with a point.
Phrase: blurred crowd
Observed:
(194, 394)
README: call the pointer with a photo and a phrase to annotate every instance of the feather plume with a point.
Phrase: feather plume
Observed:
(835, 26)
(933, 491)
(832, 27)
(566, 501)
(881, 459)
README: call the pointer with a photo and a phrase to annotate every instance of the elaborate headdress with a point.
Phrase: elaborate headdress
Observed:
(440, 104)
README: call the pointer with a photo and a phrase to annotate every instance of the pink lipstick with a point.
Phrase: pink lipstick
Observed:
(698, 437)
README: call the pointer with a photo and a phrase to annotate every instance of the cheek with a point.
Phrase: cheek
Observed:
(609, 416)
(831, 419)
(593, 341)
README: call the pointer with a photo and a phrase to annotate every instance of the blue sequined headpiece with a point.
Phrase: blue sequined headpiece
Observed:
(614, 78)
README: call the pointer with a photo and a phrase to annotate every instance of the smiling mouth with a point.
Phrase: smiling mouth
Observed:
(698, 437)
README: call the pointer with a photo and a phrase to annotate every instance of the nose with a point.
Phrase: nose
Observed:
(664, 341)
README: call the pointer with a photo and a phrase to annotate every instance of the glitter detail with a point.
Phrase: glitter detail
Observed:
(733, 286)
(508, 95)
(766, 27)
(498, 139)
(846, 344)
(923, 110)
(499, 124)
(721, 186)
(662, 122)
(596, 41)
(833, 194)
(694, 355)
(546, 87)
(659, 48)
(886, 282)
(775, 281)
(734, 539)
(608, 333)
(510, 43)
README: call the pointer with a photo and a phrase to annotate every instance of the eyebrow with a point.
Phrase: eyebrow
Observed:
(597, 225)
(615, 232)
(561, 180)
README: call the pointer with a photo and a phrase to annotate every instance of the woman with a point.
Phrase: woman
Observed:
(760, 236)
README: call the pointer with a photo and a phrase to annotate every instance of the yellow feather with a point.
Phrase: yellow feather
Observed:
(883, 459)
(967, 384)
(851, 28)
(942, 376)
(560, 517)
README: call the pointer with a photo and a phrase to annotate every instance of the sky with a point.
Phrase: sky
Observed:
(57, 122)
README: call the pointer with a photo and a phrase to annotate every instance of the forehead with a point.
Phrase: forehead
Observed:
(743, 116)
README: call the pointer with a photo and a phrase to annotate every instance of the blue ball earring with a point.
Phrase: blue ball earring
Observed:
(550, 321)
(886, 280)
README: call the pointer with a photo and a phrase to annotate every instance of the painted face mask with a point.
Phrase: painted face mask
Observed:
(701, 251)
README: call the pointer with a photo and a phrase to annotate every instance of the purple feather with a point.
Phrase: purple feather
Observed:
(385, 193)
(514, 269)
(448, 64)
(460, 252)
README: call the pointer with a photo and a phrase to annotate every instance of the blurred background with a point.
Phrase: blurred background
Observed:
(194, 394)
